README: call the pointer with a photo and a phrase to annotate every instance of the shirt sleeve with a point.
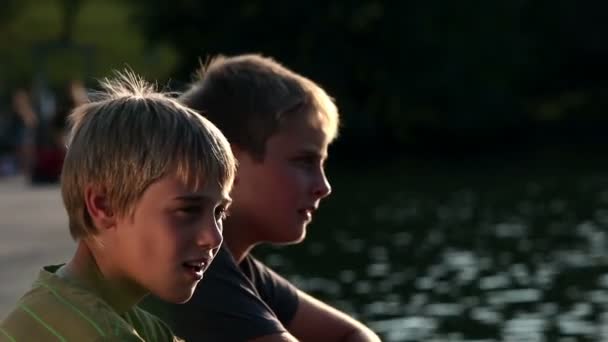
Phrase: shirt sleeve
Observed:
(277, 292)
(150, 327)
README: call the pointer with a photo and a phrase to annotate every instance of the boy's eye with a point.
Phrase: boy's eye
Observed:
(308, 161)
(189, 210)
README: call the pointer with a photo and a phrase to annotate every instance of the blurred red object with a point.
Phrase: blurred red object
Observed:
(47, 164)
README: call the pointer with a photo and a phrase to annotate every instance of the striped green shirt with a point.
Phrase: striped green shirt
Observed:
(56, 310)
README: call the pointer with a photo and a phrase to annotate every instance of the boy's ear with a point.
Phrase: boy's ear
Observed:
(98, 206)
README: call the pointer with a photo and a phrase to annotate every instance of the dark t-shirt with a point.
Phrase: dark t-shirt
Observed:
(232, 303)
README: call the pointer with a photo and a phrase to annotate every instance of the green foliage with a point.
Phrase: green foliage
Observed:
(63, 39)
(398, 69)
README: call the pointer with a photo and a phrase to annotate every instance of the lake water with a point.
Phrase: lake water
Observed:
(510, 249)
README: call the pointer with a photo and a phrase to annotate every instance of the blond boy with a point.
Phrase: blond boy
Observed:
(280, 125)
(145, 184)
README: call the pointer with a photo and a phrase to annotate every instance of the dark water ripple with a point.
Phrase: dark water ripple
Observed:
(492, 259)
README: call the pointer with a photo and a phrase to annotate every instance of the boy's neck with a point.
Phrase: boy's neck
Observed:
(87, 271)
(238, 242)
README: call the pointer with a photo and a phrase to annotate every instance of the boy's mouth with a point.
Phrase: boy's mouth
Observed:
(307, 212)
(197, 267)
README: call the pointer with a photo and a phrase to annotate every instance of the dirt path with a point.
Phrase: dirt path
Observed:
(33, 233)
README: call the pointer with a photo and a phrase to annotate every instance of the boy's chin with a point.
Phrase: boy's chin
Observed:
(292, 236)
(177, 298)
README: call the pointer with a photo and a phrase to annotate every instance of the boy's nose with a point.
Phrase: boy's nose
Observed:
(210, 236)
(322, 187)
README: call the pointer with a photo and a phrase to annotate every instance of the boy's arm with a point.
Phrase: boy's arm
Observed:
(317, 321)
(284, 337)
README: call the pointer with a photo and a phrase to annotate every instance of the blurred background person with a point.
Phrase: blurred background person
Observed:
(22, 105)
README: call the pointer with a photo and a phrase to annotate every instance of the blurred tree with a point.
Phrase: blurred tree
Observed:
(10, 8)
(67, 39)
(405, 70)
(69, 12)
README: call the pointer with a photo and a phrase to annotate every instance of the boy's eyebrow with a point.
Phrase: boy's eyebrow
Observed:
(313, 153)
(201, 198)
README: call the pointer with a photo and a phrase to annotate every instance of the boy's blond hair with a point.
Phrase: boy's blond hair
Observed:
(130, 137)
(248, 96)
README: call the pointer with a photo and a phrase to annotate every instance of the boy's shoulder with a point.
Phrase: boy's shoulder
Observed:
(54, 309)
(149, 326)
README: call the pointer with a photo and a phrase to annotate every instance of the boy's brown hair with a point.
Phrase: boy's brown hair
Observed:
(130, 137)
(248, 96)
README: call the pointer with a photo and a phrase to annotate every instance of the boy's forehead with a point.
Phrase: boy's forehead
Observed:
(193, 181)
(300, 134)
(312, 123)
(210, 191)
